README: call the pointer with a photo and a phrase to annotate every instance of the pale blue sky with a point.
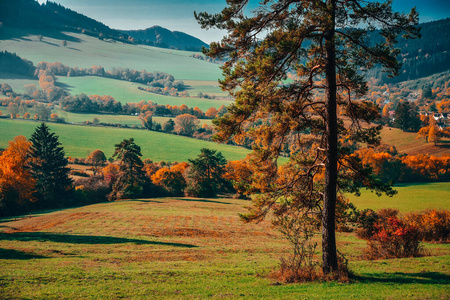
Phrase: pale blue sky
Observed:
(179, 14)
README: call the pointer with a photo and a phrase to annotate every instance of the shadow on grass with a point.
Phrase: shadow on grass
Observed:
(64, 85)
(48, 43)
(405, 278)
(142, 200)
(203, 200)
(21, 34)
(75, 49)
(15, 254)
(80, 239)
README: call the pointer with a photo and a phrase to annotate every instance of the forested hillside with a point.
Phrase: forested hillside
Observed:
(161, 37)
(26, 14)
(421, 57)
(30, 14)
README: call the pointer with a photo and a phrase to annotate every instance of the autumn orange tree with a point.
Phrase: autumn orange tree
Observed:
(186, 124)
(96, 159)
(17, 186)
(171, 179)
(325, 46)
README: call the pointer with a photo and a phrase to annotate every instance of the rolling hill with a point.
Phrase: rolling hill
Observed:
(30, 15)
(161, 37)
(80, 141)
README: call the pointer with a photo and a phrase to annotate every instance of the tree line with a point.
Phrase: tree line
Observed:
(34, 174)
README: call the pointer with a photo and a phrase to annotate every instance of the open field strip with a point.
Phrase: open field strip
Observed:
(17, 82)
(79, 118)
(79, 141)
(85, 51)
(125, 91)
(210, 87)
(185, 248)
(410, 197)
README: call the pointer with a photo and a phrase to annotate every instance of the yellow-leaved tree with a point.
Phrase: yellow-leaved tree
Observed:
(16, 184)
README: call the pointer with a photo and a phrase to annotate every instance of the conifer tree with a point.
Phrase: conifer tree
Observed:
(131, 179)
(205, 175)
(48, 166)
(322, 46)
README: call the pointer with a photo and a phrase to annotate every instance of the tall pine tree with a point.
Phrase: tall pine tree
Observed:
(48, 166)
(291, 66)
(132, 180)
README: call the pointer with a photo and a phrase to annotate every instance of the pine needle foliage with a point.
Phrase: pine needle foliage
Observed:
(48, 166)
(296, 70)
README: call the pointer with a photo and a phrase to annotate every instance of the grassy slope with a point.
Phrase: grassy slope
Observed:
(407, 142)
(86, 51)
(79, 141)
(184, 248)
(17, 82)
(409, 198)
(125, 91)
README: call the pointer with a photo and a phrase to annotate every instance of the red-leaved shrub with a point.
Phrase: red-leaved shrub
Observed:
(393, 238)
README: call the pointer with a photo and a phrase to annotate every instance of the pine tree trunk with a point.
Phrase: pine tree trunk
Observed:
(329, 253)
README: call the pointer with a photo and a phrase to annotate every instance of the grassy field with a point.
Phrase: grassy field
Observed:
(79, 141)
(210, 87)
(407, 142)
(409, 198)
(84, 51)
(125, 91)
(114, 119)
(17, 82)
(183, 248)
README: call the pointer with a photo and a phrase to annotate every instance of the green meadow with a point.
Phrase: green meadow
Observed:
(85, 51)
(125, 91)
(184, 248)
(17, 82)
(80, 141)
(409, 197)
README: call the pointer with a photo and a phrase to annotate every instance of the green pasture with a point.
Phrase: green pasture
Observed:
(17, 82)
(114, 119)
(211, 88)
(410, 197)
(79, 118)
(84, 51)
(184, 248)
(79, 141)
(125, 91)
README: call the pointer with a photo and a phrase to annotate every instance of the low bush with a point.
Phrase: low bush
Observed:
(433, 225)
(91, 190)
(390, 237)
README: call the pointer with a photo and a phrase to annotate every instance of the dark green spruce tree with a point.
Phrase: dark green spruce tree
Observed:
(296, 70)
(205, 174)
(407, 118)
(48, 166)
(132, 181)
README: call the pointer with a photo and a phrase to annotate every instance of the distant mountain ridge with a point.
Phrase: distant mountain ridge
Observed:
(29, 14)
(162, 37)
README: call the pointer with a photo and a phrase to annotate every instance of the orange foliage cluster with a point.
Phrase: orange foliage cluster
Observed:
(433, 225)
(171, 178)
(16, 184)
(239, 173)
(388, 165)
